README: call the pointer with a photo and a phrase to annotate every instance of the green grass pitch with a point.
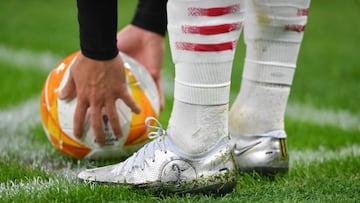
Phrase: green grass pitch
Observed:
(322, 119)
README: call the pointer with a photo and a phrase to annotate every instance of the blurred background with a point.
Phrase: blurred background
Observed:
(327, 73)
(322, 118)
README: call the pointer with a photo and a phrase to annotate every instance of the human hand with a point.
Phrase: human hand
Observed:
(147, 48)
(97, 85)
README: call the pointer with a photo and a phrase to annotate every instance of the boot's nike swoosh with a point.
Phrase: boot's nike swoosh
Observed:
(240, 151)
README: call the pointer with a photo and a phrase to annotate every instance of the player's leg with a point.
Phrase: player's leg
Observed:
(273, 34)
(193, 154)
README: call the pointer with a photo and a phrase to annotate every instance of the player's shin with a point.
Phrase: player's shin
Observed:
(203, 37)
(273, 35)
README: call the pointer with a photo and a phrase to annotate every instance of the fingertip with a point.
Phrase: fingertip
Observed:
(100, 141)
(118, 135)
(114, 121)
(130, 102)
(162, 105)
(162, 102)
(77, 132)
(136, 109)
(62, 95)
(100, 138)
(117, 131)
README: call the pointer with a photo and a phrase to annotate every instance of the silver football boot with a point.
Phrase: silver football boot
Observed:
(160, 166)
(264, 153)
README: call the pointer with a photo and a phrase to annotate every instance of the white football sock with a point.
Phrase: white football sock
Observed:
(203, 36)
(273, 33)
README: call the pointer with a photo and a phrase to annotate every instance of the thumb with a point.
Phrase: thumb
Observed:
(69, 90)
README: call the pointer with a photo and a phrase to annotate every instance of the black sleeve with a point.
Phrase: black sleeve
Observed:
(98, 26)
(151, 15)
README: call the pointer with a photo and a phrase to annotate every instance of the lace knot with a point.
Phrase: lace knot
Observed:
(156, 130)
(145, 155)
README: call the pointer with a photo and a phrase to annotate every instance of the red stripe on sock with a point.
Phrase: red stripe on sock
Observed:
(212, 29)
(216, 11)
(303, 12)
(295, 28)
(205, 47)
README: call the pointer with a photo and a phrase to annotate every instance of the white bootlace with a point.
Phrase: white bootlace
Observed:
(140, 158)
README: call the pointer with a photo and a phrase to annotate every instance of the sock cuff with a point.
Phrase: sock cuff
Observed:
(203, 73)
(269, 72)
(202, 94)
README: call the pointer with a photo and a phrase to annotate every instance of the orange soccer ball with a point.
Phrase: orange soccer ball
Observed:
(57, 115)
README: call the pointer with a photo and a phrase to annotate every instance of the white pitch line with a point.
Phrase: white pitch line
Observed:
(342, 119)
(10, 189)
(15, 124)
(25, 58)
(21, 117)
(322, 154)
